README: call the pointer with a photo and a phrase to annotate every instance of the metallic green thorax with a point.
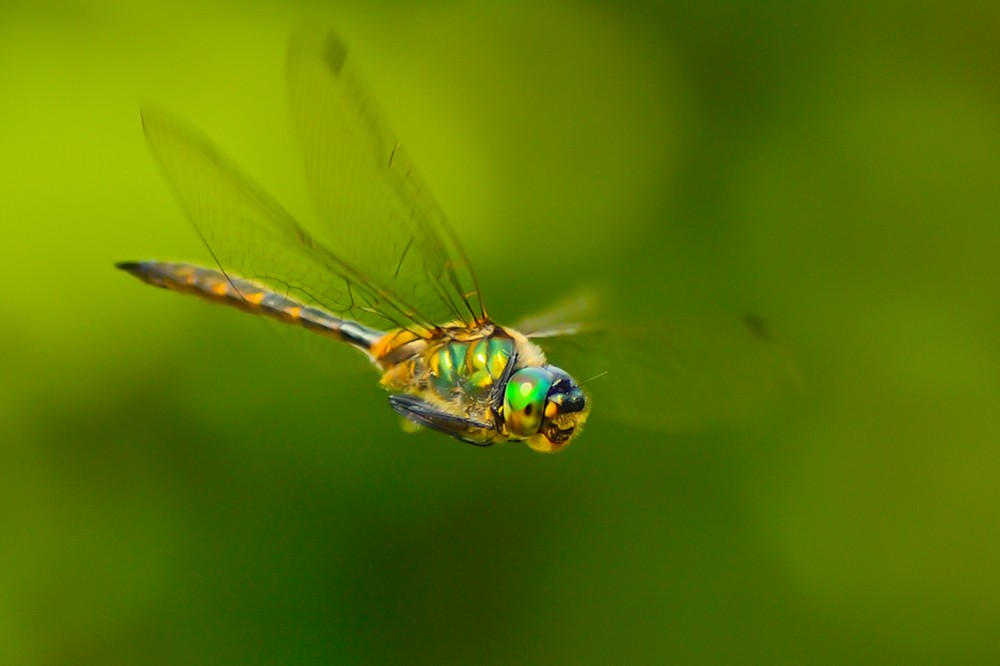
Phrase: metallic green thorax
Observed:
(469, 367)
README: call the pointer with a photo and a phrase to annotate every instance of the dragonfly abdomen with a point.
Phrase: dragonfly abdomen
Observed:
(217, 287)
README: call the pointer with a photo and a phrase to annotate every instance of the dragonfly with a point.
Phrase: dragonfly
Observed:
(408, 300)
(407, 297)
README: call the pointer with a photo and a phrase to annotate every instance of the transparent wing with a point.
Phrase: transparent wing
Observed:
(675, 373)
(377, 209)
(252, 236)
(569, 316)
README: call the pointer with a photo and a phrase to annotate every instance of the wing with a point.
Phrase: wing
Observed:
(424, 414)
(377, 209)
(573, 315)
(252, 236)
(675, 373)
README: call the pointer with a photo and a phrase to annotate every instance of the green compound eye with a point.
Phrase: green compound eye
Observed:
(524, 400)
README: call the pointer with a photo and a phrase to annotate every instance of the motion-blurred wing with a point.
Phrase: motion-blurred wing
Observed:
(678, 373)
(377, 208)
(572, 315)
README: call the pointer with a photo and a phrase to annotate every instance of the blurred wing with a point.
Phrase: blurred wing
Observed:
(377, 208)
(565, 317)
(252, 236)
(681, 373)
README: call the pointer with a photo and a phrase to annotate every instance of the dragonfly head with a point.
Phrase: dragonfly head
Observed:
(545, 407)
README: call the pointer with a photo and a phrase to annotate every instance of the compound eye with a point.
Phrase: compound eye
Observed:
(524, 400)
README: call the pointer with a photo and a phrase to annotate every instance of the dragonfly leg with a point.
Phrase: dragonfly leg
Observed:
(424, 414)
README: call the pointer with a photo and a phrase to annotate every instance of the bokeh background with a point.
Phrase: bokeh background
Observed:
(180, 485)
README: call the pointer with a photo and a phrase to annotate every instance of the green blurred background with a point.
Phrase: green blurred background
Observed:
(179, 485)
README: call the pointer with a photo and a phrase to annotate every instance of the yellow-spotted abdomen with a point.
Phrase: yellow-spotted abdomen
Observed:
(238, 292)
